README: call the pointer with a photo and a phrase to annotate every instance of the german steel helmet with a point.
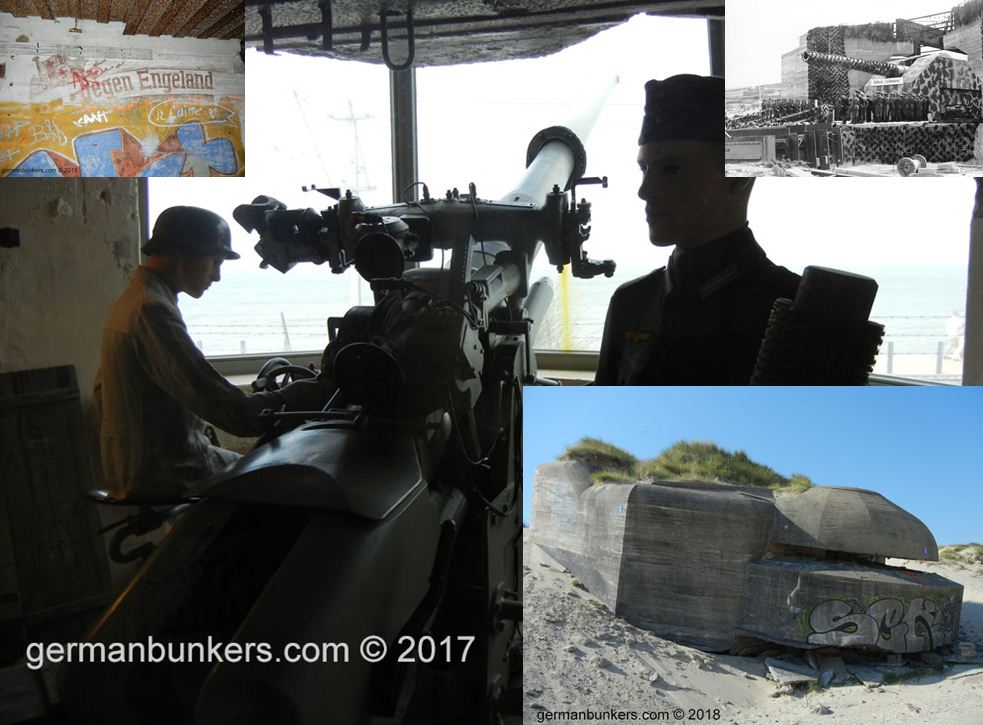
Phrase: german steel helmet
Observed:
(190, 229)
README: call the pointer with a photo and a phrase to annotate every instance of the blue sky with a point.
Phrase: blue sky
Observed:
(921, 447)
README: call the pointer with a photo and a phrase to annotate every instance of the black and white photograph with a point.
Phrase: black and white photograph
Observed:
(843, 88)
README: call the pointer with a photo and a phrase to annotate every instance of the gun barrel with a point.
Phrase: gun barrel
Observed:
(556, 155)
(877, 67)
(537, 303)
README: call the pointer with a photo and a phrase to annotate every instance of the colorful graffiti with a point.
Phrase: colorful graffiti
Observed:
(194, 136)
(895, 625)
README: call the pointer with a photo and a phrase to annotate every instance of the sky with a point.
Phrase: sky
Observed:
(917, 446)
(759, 31)
(475, 122)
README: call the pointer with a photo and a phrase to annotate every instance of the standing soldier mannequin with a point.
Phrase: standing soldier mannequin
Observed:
(700, 319)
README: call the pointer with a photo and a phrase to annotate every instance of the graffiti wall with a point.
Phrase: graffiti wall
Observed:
(170, 113)
(188, 136)
(896, 625)
(817, 603)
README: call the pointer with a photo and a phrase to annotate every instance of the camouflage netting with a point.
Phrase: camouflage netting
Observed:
(937, 142)
(935, 77)
(827, 83)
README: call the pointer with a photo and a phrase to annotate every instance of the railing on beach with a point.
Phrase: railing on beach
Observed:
(929, 354)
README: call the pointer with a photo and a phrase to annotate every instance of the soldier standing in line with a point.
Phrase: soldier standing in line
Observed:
(854, 108)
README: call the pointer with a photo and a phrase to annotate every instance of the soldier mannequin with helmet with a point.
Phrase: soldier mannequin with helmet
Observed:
(155, 389)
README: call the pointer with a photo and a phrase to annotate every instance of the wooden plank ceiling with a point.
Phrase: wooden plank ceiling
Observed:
(180, 18)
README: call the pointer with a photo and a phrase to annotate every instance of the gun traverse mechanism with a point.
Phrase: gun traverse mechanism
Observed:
(877, 67)
(390, 514)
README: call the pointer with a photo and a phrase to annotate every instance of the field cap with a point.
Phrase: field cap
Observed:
(684, 108)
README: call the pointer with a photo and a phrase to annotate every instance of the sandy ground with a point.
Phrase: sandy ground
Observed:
(580, 657)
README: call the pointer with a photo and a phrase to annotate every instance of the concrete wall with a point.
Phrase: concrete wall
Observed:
(581, 526)
(795, 72)
(696, 562)
(685, 553)
(668, 558)
(842, 604)
(969, 40)
(98, 103)
(79, 241)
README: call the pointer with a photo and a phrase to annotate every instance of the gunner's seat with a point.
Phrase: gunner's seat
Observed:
(151, 514)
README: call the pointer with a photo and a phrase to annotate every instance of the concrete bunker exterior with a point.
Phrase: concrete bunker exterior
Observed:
(703, 564)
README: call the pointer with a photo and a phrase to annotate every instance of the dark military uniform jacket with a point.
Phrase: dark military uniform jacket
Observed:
(697, 321)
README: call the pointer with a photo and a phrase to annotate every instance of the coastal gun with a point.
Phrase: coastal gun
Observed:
(389, 517)
(877, 67)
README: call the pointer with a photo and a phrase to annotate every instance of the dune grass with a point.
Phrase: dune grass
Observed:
(601, 456)
(689, 460)
(965, 553)
(968, 12)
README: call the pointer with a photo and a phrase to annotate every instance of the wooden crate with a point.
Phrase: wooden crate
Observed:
(52, 542)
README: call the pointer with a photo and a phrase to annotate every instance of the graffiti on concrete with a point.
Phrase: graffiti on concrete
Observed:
(116, 152)
(176, 112)
(895, 625)
(84, 80)
(178, 137)
(69, 75)
(87, 118)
